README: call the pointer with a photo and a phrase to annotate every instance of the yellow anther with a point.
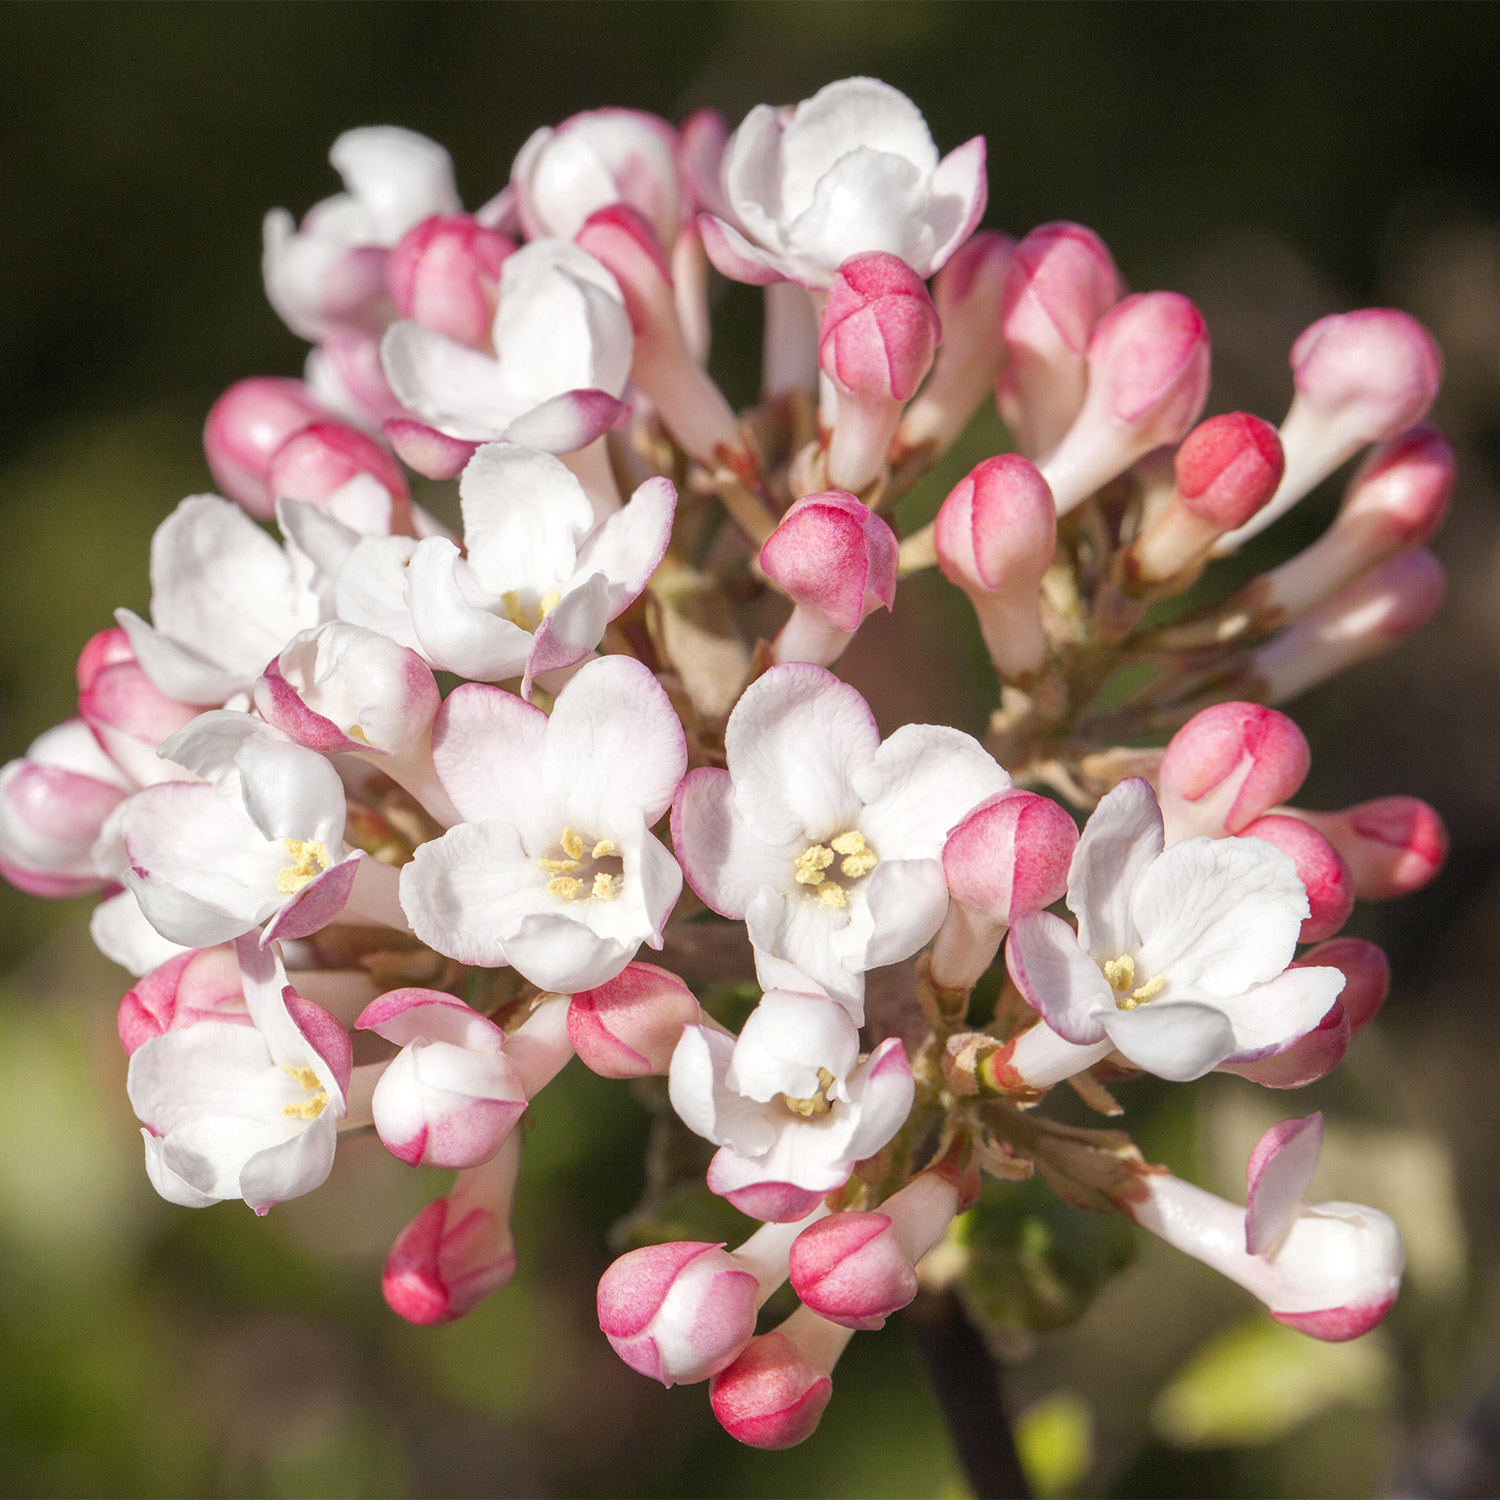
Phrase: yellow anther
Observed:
(1149, 990)
(1120, 972)
(308, 1109)
(572, 844)
(605, 888)
(305, 1076)
(546, 604)
(564, 887)
(860, 863)
(559, 866)
(819, 1103)
(603, 847)
(310, 859)
(852, 842)
(810, 864)
(832, 894)
(356, 732)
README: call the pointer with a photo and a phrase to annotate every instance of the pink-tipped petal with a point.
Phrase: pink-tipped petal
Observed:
(431, 453)
(1278, 1175)
(629, 1027)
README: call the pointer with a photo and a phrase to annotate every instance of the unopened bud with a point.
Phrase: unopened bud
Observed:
(876, 343)
(1372, 614)
(1361, 377)
(836, 560)
(629, 1027)
(774, 1394)
(131, 717)
(1226, 469)
(1226, 767)
(967, 295)
(1148, 373)
(445, 274)
(1320, 868)
(246, 427)
(1060, 282)
(995, 536)
(1393, 845)
(1011, 854)
(203, 984)
(321, 459)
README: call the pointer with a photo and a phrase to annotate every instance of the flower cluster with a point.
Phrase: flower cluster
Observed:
(310, 850)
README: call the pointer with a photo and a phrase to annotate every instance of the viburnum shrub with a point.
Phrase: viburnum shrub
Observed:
(301, 838)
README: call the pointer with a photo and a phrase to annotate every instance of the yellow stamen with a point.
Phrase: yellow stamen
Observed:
(356, 732)
(852, 842)
(546, 604)
(559, 866)
(572, 844)
(564, 887)
(818, 1104)
(605, 888)
(603, 847)
(832, 895)
(310, 858)
(1120, 972)
(859, 863)
(810, 864)
(308, 1109)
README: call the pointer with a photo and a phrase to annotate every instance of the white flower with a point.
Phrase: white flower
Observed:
(556, 870)
(249, 1112)
(329, 275)
(537, 581)
(852, 169)
(261, 837)
(789, 1103)
(825, 841)
(225, 598)
(562, 356)
(1180, 958)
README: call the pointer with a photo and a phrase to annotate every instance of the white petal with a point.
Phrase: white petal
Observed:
(292, 1168)
(571, 631)
(1218, 915)
(1279, 1173)
(487, 745)
(752, 175)
(524, 513)
(1059, 980)
(212, 1068)
(703, 1101)
(800, 931)
(398, 176)
(292, 793)
(724, 862)
(1175, 1039)
(122, 934)
(1118, 844)
(631, 543)
(956, 202)
(794, 741)
(881, 1093)
(458, 390)
(923, 780)
(907, 900)
(371, 588)
(456, 635)
(868, 200)
(1268, 1016)
(615, 750)
(176, 670)
(563, 953)
(785, 1041)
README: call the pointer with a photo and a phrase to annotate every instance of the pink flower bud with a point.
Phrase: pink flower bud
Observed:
(1226, 469)
(774, 1394)
(100, 651)
(131, 717)
(995, 537)
(1366, 971)
(459, 1249)
(431, 453)
(1394, 845)
(1361, 377)
(856, 1269)
(1148, 366)
(678, 1312)
(1308, 1059)
(345, 373)
(1320, 868)
(53, 805)
(692, 407)
(1011, 854)
(1226, 767)
(628, 1027)
(246, 427)
(1372, 614)
(203, 984)
(1396, 501)
(876, 342)
(450, 1097)
(836, 560)
(324, 457)
(445, 274)
(1061, 281)
(967, 295)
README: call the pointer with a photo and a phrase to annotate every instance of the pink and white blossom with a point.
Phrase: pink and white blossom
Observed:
(327, 275)
(1331, 1270)
(201, 984)
(562, 348)
(1393, 845)
(1180, 961)
(825, 841)
(246, 427)
(849, 170)
(555, 869)
(249, 1112)
(629, 1026)
(789, 1103)
(445, 275)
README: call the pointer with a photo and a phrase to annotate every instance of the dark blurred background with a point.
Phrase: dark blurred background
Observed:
(1275, 162)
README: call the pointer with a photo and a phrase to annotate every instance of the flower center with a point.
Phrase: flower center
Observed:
(588, 869)
(317, 1100)
(813, 867)
(309, 859)
(518, 612)
(1120, 972)
(819, 1104)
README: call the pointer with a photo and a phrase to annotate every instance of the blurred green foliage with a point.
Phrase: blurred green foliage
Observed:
(145, 1350)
